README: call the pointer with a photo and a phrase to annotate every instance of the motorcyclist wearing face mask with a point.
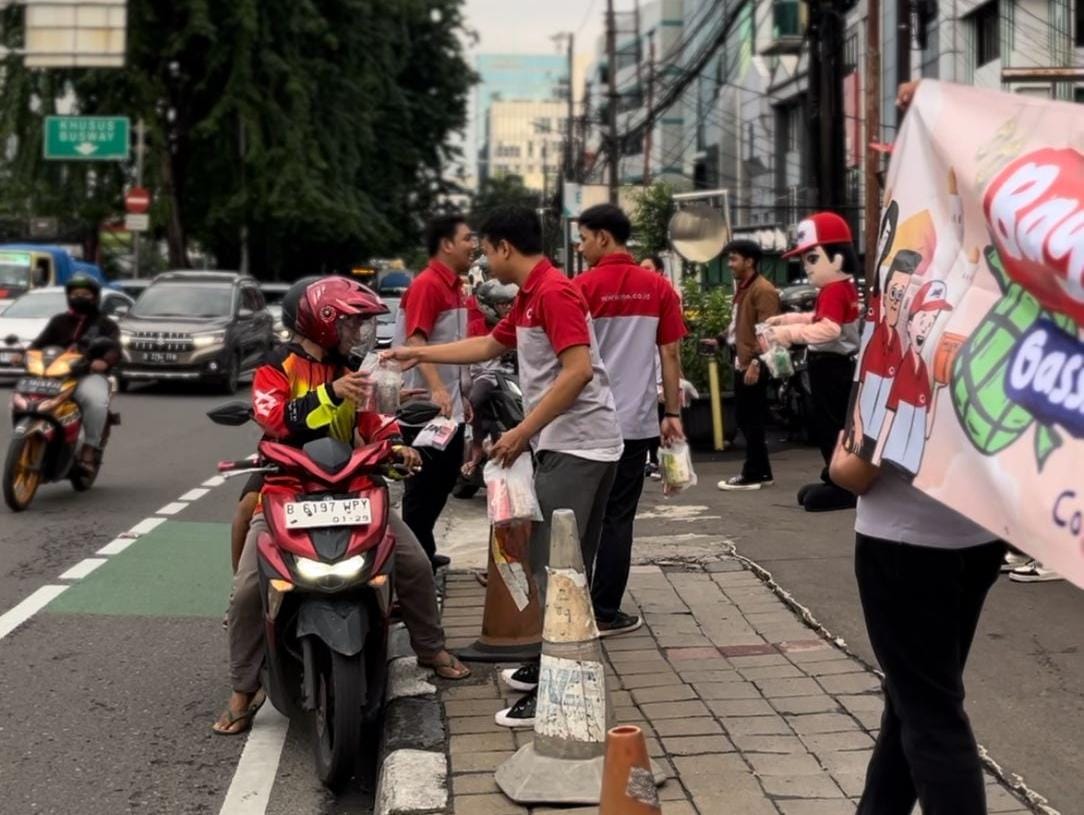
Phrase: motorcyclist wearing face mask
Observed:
(302, 392)
(77, 328)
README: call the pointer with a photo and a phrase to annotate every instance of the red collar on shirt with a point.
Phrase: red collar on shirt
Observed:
(444, 273)
(537, 273)
(616, 259)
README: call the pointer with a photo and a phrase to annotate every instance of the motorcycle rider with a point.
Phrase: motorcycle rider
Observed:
(303, 392)
(493, 300)
(80, 325)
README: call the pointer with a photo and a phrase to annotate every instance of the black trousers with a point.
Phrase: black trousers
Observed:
(752, 409)
(614, 558)
(425, 494)
(922, 606)
(830, 379)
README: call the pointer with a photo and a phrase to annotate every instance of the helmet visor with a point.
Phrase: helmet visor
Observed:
(357, 335)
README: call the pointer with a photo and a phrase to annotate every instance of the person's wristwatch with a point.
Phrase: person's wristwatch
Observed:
(672, 415)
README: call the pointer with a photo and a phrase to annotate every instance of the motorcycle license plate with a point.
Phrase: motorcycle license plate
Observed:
(45, 387)
(339, 512)
(159, 356)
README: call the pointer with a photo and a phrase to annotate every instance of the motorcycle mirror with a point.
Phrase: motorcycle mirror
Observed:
(233, 414)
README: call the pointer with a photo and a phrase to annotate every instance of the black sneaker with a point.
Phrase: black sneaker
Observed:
(440, 561)
(740, 482)
(524, 678)
(521, 714)
(622, 623)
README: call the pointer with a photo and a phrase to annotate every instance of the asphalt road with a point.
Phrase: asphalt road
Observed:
(107, 694)
(1025, 677)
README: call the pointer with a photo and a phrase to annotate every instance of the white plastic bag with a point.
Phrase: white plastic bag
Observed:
(437, 434)
(776, 356)
(510, 494)
(676, 467)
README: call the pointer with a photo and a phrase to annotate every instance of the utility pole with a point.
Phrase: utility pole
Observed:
(569, 149)
(140, 147)
(612, 97)
(826, 102)
(871, 135)
(650, 104)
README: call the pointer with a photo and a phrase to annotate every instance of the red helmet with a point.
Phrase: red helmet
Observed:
(327, 301)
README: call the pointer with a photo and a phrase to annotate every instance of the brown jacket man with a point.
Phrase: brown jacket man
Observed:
(755, 300)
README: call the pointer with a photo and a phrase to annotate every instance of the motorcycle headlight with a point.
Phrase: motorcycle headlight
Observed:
(315, 571)
(209, 339)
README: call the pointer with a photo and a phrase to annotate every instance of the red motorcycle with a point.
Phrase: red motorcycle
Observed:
(326, 580)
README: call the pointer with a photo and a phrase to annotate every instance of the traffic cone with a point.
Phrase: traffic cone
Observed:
(512, 620)
(628, 782)
(563, 765)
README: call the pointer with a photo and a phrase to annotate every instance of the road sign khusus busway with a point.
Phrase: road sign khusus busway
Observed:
(87, 138)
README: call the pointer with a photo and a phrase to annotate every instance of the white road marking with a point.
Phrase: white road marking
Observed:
(193, 495)
(172, 509)
(116, 546)
(83, 568)
(143, 527)
(12, 619)
(214, 481)
(250, 789)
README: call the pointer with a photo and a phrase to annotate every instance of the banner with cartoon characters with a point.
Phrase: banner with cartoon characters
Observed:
(970, 380)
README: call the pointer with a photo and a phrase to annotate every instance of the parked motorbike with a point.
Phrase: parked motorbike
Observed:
(502, 411)
(326, 577)
(48, 426)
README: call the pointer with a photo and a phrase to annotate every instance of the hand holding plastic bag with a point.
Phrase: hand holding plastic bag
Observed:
(510, 492)
(387, 382)
(776, 356)
(676, 466)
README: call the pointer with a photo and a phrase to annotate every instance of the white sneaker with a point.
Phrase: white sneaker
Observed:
(523, 679)
(741, 483)
(1013, 561)
(1034, 572)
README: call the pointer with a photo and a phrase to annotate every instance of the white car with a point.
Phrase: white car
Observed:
(25, 318)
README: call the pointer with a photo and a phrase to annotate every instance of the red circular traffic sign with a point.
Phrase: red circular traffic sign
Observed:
(137, 200)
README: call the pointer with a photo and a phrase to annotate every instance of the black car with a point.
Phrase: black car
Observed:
(211, 327)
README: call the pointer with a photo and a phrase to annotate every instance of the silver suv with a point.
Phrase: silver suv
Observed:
(197, 327)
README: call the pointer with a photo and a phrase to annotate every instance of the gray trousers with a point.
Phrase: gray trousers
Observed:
(92, 396)
(565, 481)
(414, 584)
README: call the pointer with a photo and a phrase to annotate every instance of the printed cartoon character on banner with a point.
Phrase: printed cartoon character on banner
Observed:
(1024, 363)
(831, 331)
(911, 406)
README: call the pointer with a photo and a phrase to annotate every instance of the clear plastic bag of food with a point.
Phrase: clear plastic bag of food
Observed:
(386, 377)
(510, 492)
(676, 467)
(778, 361)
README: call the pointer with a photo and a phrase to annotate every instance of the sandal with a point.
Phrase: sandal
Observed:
(448, 668)
(232, 718)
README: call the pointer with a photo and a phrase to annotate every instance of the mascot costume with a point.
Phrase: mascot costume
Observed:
(831, 331)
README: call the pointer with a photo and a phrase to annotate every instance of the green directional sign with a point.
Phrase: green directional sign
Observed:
(86, 138)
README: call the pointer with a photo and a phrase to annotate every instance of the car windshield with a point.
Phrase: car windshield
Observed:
(185, 300)
(38, 304)
(14, 273)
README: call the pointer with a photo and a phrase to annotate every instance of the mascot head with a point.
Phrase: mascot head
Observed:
(826, 247)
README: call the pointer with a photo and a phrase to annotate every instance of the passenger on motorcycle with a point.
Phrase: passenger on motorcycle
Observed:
(79, 326)
(493, 300)
(302, 392)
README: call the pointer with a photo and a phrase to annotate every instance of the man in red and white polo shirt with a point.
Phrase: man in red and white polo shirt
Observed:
(433, 310)
(637, 318)
(570, 420)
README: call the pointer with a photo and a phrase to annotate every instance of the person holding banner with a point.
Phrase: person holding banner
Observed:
(923, 572)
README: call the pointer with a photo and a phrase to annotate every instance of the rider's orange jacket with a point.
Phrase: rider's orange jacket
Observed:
(294, 403)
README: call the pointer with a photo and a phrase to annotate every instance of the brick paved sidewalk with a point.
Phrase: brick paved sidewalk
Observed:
(747, 708)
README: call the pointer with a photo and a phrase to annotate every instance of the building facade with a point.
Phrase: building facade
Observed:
(525, 139)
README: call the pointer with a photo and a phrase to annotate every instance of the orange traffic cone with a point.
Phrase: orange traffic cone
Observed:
(512, 620)
(628, 783)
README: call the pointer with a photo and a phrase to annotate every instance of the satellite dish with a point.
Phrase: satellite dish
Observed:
(698, 233)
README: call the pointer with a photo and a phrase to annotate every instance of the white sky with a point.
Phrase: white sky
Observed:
(525, 26)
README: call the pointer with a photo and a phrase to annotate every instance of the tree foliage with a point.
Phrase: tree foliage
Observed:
(502, 191)
(651, 218)
(323, 126)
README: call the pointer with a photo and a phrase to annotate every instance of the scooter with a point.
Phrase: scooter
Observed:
(326, 578)
(790, 400)
(502, 411)
(48, 426)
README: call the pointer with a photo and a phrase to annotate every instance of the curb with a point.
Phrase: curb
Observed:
(413, 778)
